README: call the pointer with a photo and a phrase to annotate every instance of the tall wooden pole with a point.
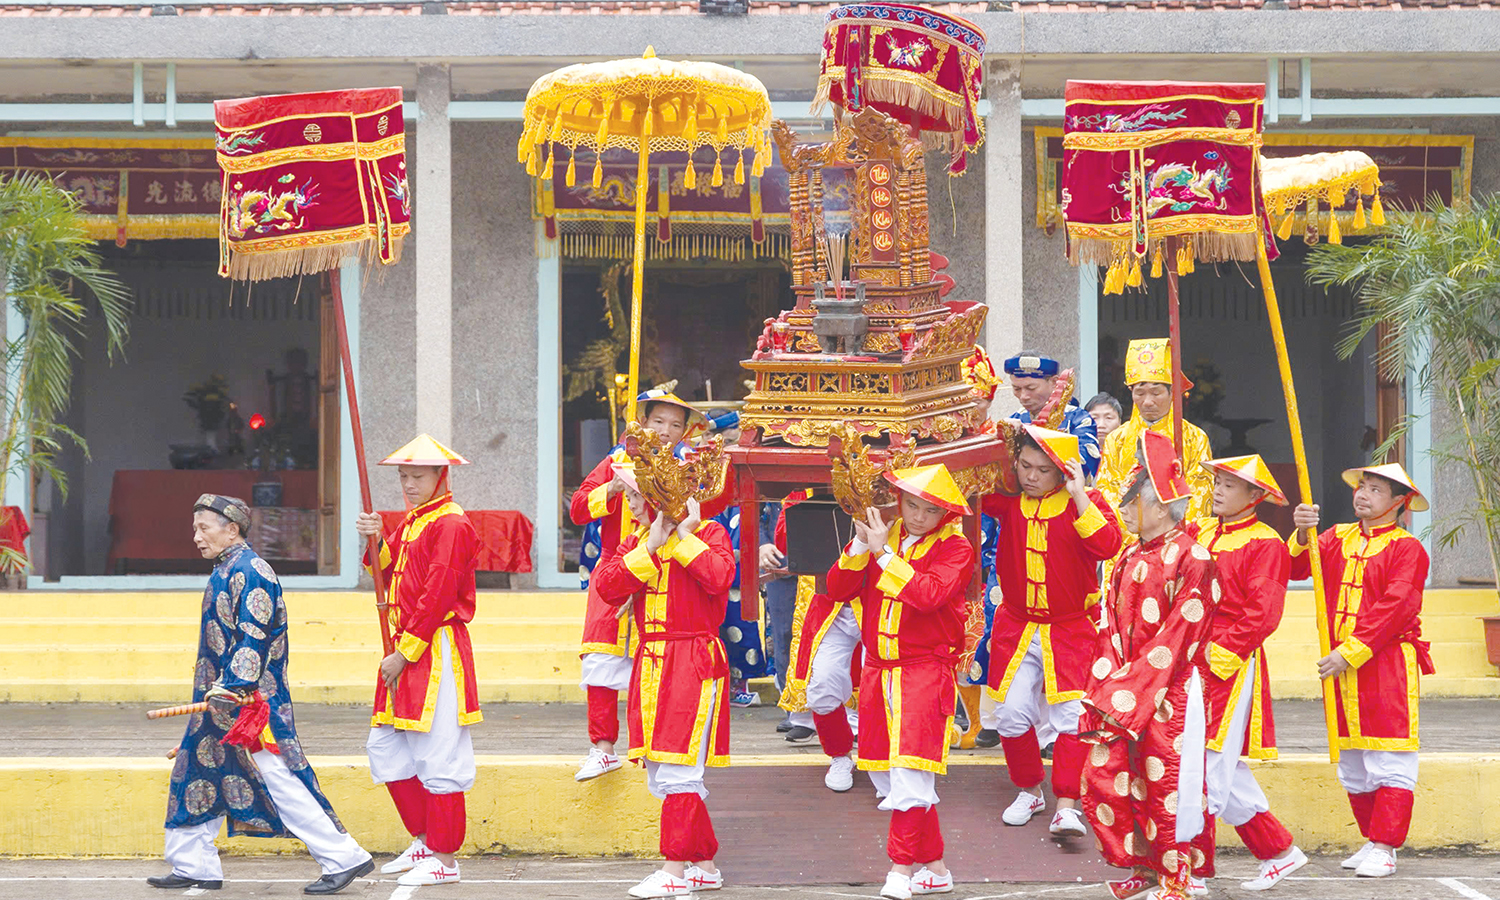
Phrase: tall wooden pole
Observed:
(359, 455)
(1174, 337)
(1304, 485)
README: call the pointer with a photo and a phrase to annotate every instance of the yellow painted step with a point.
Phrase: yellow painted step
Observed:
(158, 662)
(530, 804)
(500, 605)
(1303, 687)
(1434, 628)
(355, 693)
(304, 633)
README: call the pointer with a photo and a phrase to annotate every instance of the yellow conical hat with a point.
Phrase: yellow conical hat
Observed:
(1393, 472)
(1150, 359)
(931, 483)
(424, 450)
(1252, 469)
(1060, 446)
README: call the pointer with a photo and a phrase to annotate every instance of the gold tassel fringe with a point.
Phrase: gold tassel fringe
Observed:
(1156, 262)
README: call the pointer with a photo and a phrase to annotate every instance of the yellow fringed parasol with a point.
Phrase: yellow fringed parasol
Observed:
(645, 104)
(1292, 181)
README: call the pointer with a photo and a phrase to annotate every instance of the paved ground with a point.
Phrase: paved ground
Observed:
(76, 729)
(1431, 878)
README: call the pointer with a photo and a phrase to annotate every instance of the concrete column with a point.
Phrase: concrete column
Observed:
(1003, 216)
(433, 225)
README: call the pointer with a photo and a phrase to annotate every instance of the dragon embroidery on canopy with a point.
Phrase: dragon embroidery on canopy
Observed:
(261, 212)
(1153, 116)
(1181, 188)
(909, 56)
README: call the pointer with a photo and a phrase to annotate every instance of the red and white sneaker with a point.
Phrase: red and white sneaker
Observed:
(660, 884)
(597, 763)
(897, 886)
(1132, 887)
(1378, 864)
(430, 871)
(413, 855)
(700, 880)
(1273, 870)
(1068, 823)
(1022, 809)
(925, 881)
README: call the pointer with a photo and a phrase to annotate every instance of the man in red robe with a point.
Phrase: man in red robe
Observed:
(1252, 566)
(608, 642)
(1054, 533)
(1373, 575)
(910, 576)
(673, 578)
(428, 694)
(1144, 709)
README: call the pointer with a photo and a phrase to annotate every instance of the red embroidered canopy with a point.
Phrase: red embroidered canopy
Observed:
(916, 65)
(1146, 160)
(309, 179)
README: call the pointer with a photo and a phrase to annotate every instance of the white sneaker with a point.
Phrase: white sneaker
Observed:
(1378, 864)
(925, 881)
(1022, 809)
(414, 854)
(660, 884)
(1068, 823)
(1198, 887)
(430, 871)
(597, 763)
(1273, 870)
(700, 880)
(897, 886)
(1358, 857)
(840, 775)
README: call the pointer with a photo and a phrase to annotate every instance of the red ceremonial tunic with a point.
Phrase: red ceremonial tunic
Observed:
(1374, 585)
(1157, 616)
(428, 563)
(1046, 563)
(677, 596)
(811, 619)
(603, 632)
(1252, 567)
(912, 627)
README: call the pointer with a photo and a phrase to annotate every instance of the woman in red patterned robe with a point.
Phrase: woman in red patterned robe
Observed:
(1144, 710)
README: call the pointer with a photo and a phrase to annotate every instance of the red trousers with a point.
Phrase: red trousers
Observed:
(604, 714)
(1265, 837)
(442, 817)
(834, 732)
(687, 832)
(915, 836)
(1383, 815)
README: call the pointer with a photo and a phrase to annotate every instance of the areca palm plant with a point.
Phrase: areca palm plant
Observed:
(47, 262)
(1432, 280)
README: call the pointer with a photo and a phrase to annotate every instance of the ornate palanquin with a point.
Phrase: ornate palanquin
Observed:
(1412, 167)
(128, 188)
(902, 393)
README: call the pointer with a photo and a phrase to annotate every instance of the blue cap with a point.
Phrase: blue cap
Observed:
(1031, 367)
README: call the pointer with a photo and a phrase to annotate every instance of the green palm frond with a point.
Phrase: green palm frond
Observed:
(47, 263)
(1433, 282)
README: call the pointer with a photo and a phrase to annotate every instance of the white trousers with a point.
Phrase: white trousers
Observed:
(443, 758)
(192, 853)
(606, 670)
(1025, 705)
(1190, 768)
(905, 788)
(1233, 793)
(674, 778)
(1362, 771)
(829, 684)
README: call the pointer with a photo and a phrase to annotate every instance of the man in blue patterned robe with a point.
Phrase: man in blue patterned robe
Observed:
(259, 780)
(1033, 377)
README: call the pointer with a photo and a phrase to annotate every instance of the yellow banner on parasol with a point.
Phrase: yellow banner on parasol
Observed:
(645, 104)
